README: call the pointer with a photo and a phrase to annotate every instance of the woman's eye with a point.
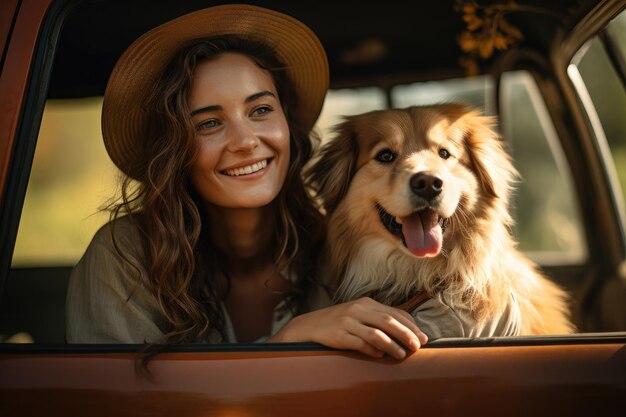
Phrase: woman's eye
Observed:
(260, 111)
(207, 124)
(385, 156)
(444, 153)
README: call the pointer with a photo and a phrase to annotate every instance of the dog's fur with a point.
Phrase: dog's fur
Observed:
(367, 175)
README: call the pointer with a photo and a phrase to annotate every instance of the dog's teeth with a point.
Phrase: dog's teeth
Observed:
(398, 220)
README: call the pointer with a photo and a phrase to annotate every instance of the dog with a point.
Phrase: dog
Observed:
(417, 206)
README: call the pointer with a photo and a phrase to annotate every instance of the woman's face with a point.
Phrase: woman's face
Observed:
(242, 133)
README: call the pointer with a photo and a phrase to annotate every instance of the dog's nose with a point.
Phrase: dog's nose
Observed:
(426, 185)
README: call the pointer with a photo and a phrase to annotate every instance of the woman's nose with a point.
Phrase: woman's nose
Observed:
(242, 138)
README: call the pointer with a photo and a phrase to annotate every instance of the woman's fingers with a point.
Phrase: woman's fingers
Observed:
(407, 320)
(394, 331)
(401, 328)
(385, 328)
(379, 341)
(362, 325)
(357, 343)
(397, 324)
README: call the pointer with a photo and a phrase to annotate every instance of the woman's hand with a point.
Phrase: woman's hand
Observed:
(363, 325)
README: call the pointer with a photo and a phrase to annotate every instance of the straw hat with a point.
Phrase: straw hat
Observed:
(124, 121)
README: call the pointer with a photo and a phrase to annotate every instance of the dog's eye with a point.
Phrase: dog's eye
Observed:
(443, 152)
(386, 156)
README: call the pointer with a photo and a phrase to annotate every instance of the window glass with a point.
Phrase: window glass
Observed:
(475, 91)
(548, 224)
(617, 31)
(604, 96)
(72, 176)
(346, 102)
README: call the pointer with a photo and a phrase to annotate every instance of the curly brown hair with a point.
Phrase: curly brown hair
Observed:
(181, 263)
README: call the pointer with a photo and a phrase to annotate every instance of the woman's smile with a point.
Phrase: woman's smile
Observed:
(248, 169)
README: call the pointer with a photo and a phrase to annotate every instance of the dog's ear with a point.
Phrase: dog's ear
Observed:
(331, 172)
(488, 157)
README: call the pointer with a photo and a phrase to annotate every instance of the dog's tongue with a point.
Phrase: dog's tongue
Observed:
(422, 233)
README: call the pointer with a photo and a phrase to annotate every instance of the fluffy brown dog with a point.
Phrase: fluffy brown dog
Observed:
(417, 200)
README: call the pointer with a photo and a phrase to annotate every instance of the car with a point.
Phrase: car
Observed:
(554, 73)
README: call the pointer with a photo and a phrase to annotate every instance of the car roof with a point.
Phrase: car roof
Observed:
(367, 42)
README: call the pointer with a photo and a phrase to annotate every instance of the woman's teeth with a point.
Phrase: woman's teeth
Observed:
(247, 169)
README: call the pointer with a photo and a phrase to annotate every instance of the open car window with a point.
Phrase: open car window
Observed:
(72, 177)
(548, 223)
(598, 73)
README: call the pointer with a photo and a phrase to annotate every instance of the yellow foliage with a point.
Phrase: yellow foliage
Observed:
(486, 31)
(468, 42)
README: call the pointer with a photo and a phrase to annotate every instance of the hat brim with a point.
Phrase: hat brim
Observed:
(124, 122)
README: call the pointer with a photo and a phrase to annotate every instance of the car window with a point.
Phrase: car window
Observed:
(71, 178)
(548, 223)
(475, 91)
(598, 71)
(616, 31)
(346, 102)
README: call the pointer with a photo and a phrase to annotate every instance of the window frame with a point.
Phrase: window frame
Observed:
(35, 96)
(29, 122)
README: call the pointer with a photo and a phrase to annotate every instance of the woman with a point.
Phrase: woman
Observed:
(209, 116)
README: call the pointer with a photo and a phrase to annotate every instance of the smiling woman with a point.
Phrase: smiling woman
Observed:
(220, 240)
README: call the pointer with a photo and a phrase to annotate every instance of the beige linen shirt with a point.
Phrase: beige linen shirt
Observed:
(438, 318)
(107, 304)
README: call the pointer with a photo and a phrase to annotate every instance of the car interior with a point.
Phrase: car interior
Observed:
(553, 73)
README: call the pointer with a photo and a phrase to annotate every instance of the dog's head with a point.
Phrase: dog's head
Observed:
(419, 169)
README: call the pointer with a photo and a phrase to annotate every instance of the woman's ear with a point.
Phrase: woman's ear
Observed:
(490, 162)
(333, 169)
